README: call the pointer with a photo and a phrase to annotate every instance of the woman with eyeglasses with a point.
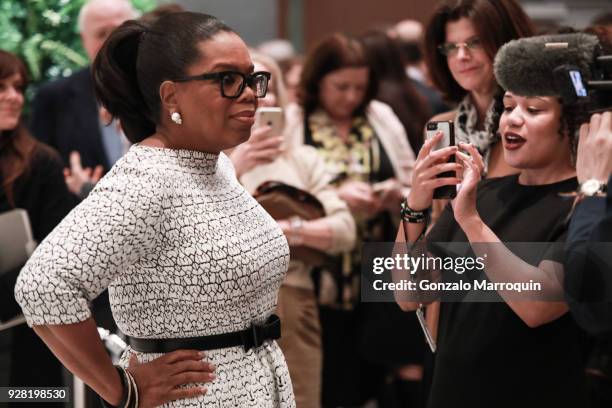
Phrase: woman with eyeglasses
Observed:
(193, 264)
(461, 40)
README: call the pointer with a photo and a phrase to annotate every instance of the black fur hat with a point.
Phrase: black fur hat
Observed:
(525, 66)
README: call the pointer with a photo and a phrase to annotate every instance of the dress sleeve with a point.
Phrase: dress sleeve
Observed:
(337, 213)
(588, 282)
(394, 140)
(100, 239)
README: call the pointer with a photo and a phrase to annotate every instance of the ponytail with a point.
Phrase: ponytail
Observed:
(115, 77)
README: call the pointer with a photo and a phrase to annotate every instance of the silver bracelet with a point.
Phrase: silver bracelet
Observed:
(133, 403)
(128, 384)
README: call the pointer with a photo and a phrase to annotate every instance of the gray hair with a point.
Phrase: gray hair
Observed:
(90, 3)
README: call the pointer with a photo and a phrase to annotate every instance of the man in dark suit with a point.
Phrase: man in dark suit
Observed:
(588, 265)
(65, 113)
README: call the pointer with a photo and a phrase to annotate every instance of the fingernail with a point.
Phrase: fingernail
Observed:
(212, 366)
(203, 390)
(212, 376)
(202, 354)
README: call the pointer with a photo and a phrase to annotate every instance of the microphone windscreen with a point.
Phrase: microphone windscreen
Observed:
(525, 66)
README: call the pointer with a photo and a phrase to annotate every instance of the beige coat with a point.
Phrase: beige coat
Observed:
(302, 167)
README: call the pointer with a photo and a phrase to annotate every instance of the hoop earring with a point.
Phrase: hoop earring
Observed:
(176, 118)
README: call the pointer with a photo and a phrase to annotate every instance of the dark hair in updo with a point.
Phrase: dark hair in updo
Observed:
(137, 58)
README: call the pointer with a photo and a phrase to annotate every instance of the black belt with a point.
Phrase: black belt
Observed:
(249, 338)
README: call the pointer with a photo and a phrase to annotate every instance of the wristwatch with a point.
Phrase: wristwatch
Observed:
(592, 187)
(295, 231)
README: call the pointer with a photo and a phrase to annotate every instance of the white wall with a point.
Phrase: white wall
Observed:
(254, 20)
(574, 13)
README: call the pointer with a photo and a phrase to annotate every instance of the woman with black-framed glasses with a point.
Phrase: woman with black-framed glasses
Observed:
(192, 263)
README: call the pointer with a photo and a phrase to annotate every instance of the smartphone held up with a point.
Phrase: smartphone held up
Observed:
(272, 117)
(447, 129)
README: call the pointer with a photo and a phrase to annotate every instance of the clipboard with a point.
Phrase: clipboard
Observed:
(428, 337)
(16, 246)
(16, 239)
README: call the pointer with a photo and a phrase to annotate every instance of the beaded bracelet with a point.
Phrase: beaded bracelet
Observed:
(411, 215)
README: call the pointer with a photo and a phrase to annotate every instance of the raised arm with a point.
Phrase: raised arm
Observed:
(589, 264)
(502, 265)
(429, 164)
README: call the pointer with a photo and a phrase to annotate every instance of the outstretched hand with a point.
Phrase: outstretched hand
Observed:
(77, 176)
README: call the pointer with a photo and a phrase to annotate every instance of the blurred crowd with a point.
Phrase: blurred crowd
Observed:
(350, 137)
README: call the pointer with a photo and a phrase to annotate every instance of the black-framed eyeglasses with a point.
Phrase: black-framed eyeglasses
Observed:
(232, 83)
(451, 49)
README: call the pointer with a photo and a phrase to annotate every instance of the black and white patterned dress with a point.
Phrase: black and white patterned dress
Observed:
(185, 251)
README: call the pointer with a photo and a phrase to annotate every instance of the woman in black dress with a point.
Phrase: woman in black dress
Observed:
(514, 352)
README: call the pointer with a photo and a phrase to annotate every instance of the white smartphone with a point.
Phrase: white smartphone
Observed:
(270, 116)
(448, 133)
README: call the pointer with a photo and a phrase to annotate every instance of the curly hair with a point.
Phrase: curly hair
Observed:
(572, 116)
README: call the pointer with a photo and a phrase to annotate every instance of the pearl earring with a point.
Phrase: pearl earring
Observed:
(176, 118)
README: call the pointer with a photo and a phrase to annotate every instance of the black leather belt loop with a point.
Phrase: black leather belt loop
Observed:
(252, 337)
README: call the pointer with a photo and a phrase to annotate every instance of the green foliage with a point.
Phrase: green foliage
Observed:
(44, 34)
